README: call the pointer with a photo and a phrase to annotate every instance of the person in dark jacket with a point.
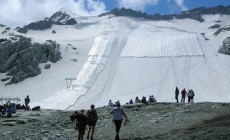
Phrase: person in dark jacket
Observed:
(176, 94)
(81, 123)
(143, 100)
(92, 117)
(27, 101)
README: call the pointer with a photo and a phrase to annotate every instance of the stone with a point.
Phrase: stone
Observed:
(9, 123)
(47, 66)
(22, 121)
(7, 133)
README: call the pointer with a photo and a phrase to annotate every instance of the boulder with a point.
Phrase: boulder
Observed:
(22, 121)
(47, 66)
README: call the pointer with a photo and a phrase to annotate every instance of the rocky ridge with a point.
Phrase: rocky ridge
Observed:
(225, 47)
(58, 18)
(195, 14)
(20, 58)
(146, 122)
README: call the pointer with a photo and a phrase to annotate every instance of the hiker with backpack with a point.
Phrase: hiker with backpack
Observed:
(190, 96)
(117, 113)
(81, 121)
(92, 120)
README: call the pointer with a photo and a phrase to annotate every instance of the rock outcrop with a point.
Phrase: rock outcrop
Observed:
(223, 29)
(58, 18)
(20, 58)
(195, 14)
(225, 48)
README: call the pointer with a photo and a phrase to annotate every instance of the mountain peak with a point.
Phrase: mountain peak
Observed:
(66, 11)
(61, 17)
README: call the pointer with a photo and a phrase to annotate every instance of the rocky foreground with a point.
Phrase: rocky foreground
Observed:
(147, 122)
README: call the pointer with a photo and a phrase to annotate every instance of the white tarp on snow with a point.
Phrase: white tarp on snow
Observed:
(163, 45)
(98, 57)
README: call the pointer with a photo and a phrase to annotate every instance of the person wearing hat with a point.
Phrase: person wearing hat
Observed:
(117, 118)
(92, 116)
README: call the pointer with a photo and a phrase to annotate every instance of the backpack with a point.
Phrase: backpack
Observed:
(72, 117)
(82, 118)
(92, 115)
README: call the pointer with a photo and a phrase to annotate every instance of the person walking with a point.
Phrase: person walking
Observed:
(81, 123)
(176, 94)
(92, 120)
(27, 101)
(117, 113)
(183, 93)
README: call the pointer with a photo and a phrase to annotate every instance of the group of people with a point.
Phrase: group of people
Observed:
(144, 100)
(9, 108)
(82, 120)
(137, 100)
(190, 94)
(90, 119)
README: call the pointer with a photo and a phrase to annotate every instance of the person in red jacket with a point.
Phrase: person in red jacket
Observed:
(183, 95)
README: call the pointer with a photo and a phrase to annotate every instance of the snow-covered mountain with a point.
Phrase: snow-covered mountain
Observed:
(61, 17)
(121, 56)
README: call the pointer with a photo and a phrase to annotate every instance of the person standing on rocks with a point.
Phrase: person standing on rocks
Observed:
(27, 101)
(176, 94)
(183, 93)
(117, 118)
(190, 96)
(92, 116)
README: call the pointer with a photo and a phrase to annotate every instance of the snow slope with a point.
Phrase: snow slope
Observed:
(120, 58)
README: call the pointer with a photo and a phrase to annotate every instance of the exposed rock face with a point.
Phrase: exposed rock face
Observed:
(225, 48)
(195, 14)
(58, 18)
(61, 18)
(1, 25)
(215, 26)
(20, 59)
(226, 28)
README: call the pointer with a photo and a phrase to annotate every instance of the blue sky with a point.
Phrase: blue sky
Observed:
(167, 6)
(22, 12)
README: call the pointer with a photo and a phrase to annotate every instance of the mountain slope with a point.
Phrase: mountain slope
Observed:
(120, 58)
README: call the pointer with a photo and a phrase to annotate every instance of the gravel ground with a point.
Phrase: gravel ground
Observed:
(161, 121)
